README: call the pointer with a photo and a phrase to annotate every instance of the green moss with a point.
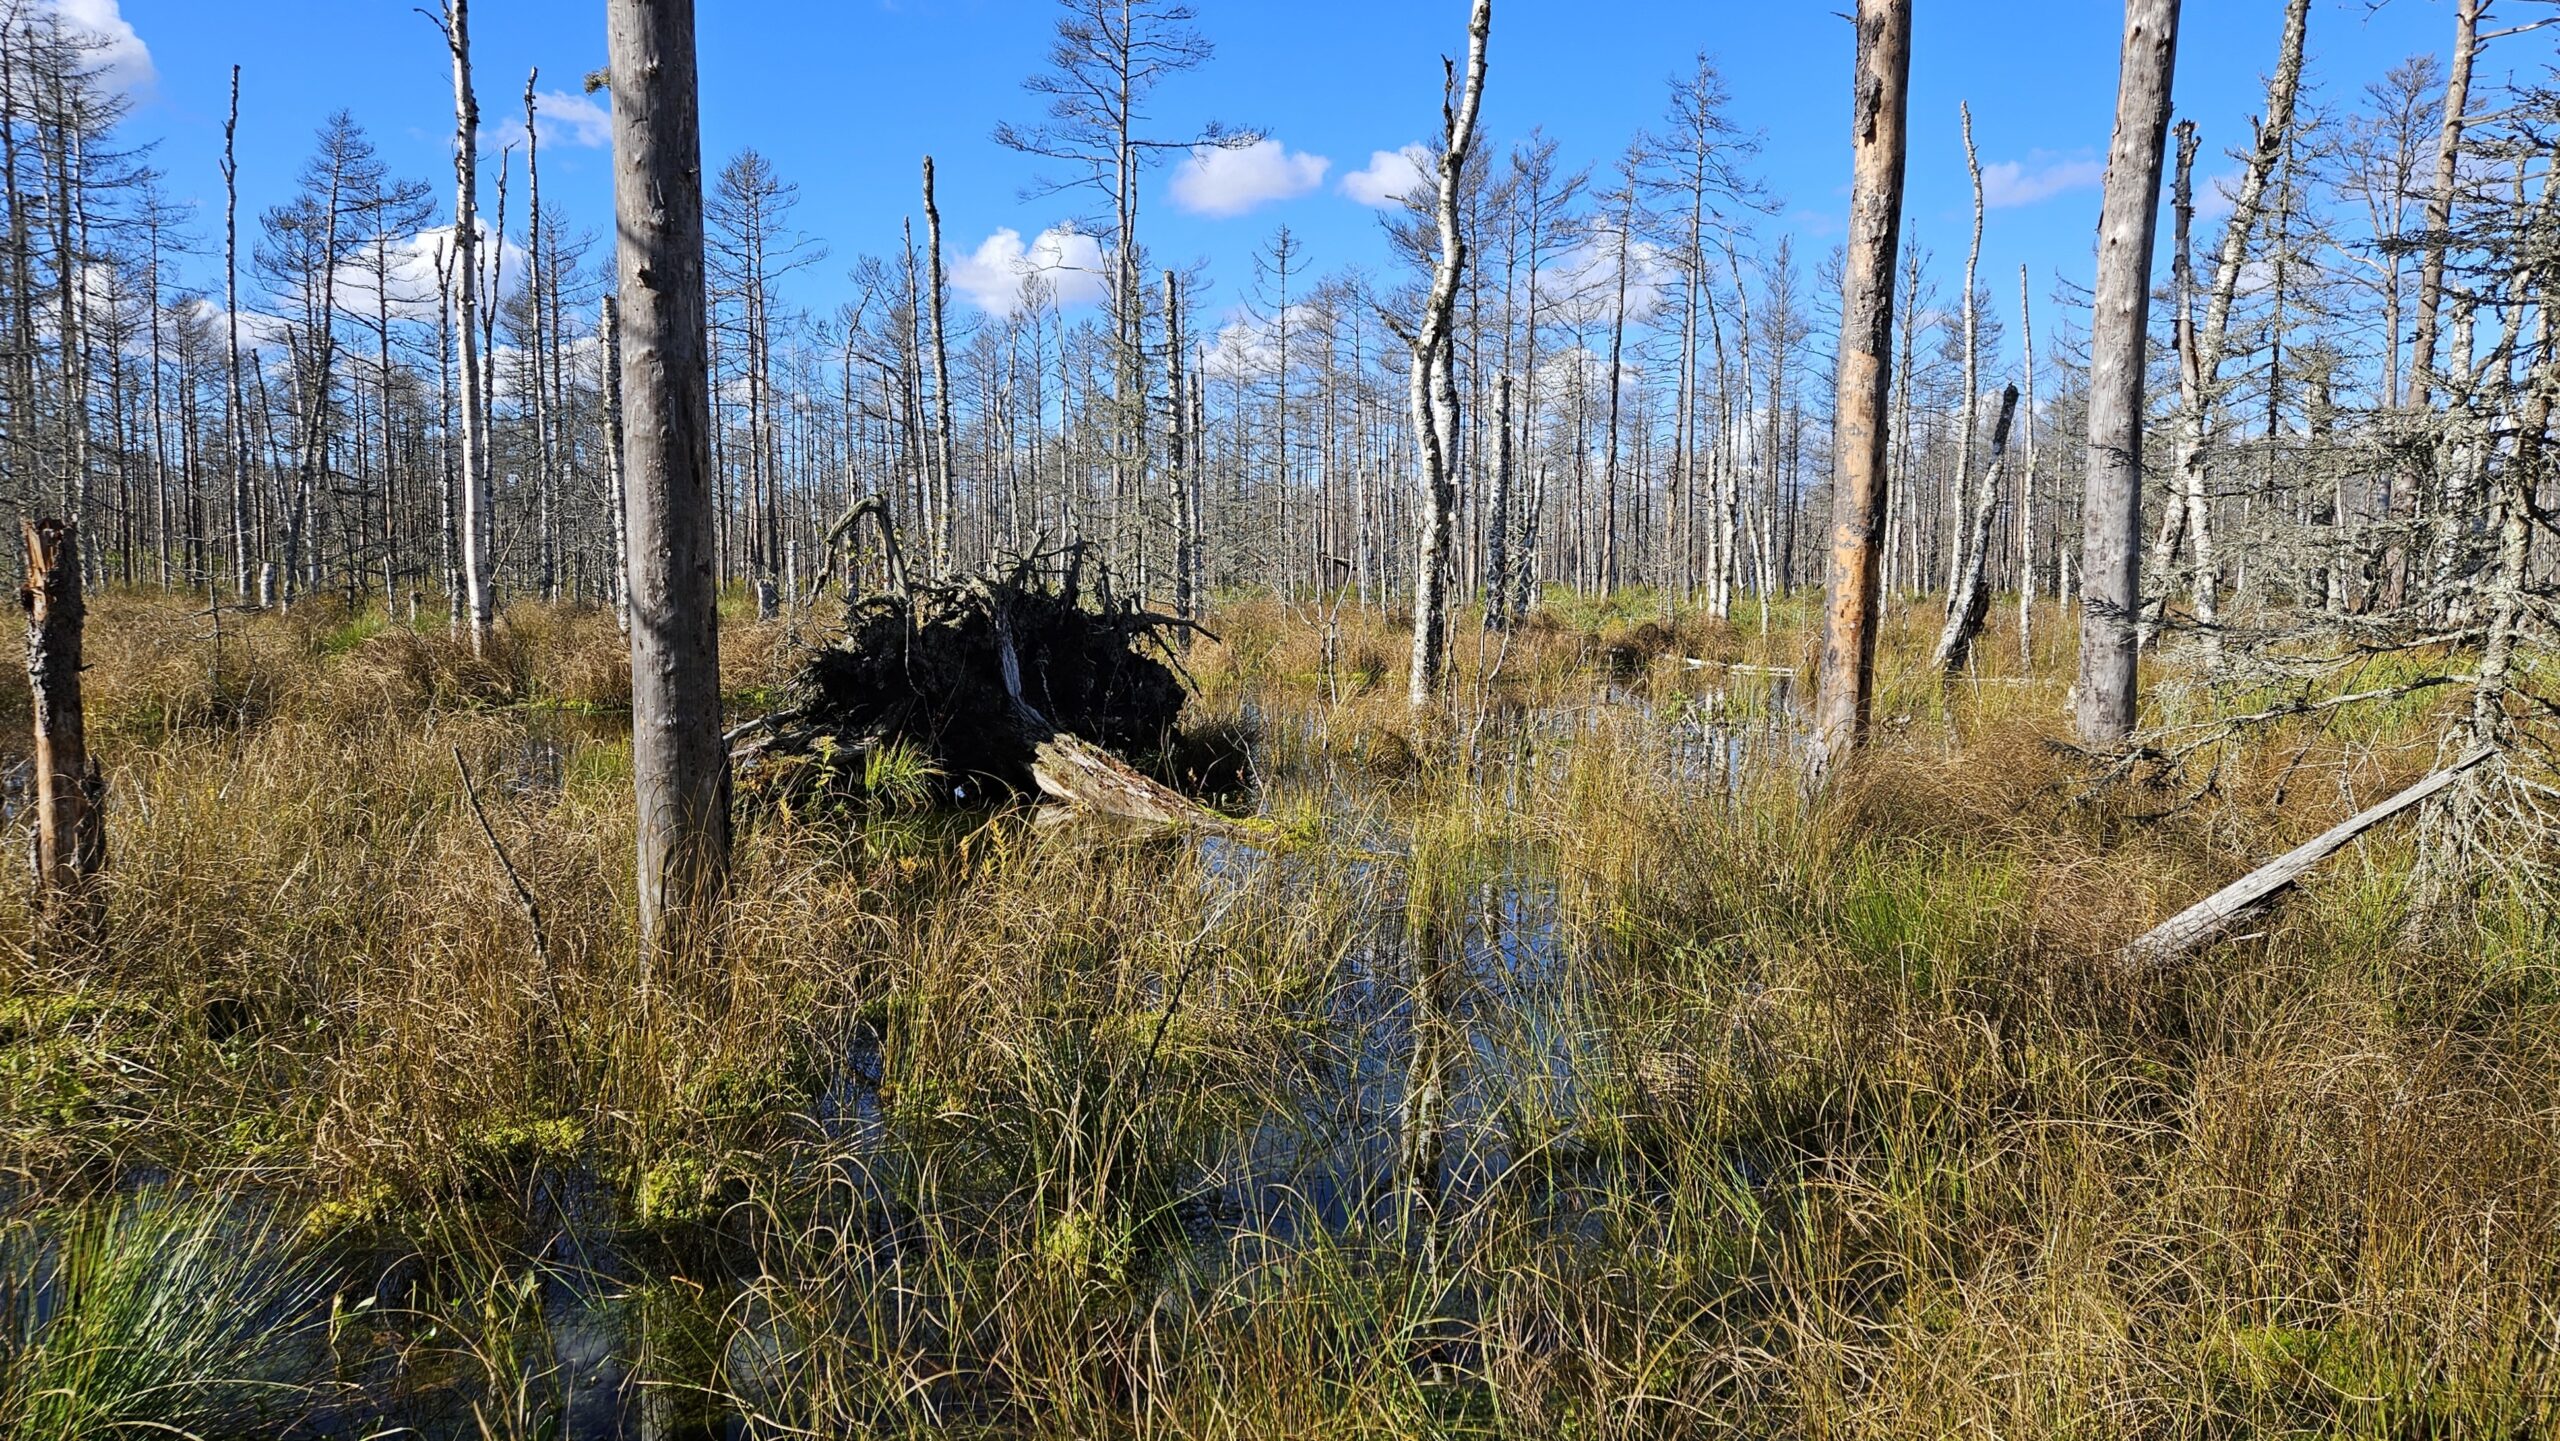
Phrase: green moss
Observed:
(679, 1190)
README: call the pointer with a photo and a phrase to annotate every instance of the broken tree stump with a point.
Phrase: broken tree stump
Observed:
(2201, 923)
(70, 793)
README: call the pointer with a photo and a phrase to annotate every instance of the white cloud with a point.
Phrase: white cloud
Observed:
(578, 121)
(121, 58)
(1217, 180)
(1389, 177)
(992, 275)
(2043, 175)
(1249, 346)
(411, 262)
(1584, 280)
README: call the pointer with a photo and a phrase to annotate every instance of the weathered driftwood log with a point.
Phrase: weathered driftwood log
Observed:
(2207, 919)
(70, 793)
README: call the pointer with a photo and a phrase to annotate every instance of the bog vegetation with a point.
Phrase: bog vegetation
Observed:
(1569, 1069)
(1598, 891)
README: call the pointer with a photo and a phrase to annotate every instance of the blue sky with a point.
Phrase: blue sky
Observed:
(846, 95)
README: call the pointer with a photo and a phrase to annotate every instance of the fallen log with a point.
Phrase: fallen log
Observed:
(2209, 918)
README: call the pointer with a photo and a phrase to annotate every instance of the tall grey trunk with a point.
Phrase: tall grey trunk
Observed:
(2405, 477)
(1434, 393)
(2111, 511)
(475, 501)
(680, 771)
(1186, 540)
(945, 519)
(611, 325)
(1959, 561)
(234, 416)
(2027, 486)
(1497, 558)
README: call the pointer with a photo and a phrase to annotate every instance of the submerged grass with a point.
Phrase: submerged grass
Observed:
(1562, 1068)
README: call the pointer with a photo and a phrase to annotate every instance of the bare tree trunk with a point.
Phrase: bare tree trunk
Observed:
(1960, 561)
(679, 768)
(1186, 539)
(1973, 586)
(546, 536)
(71, 836)
(238, 432)
(2403, 497)
(945, 528)
(1879, 100)
(2111, 542)
(2027, 489)
(1434, 394)
(611, 325)
(1497, 560)
(2201, 347)
(476, 512)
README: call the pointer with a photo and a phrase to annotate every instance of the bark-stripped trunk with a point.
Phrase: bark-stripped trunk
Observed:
(611, 325)
(2201, 347)
(1186, 539)
(234, 418)
(946, 525)
(2405, 477)
(2027, 488)
(1434, 395)
(680, 771)
(1973, 585)
(1878, 102)
(2111, 512)
(1497, 559)
(1961, 560)
(476, 511)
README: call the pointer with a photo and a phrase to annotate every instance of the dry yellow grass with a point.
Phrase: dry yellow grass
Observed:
(1804, 1114)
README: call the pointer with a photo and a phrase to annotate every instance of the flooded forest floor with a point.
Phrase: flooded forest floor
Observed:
(1561, 1066)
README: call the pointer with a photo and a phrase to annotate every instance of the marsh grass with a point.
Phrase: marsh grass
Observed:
(1560, 1067)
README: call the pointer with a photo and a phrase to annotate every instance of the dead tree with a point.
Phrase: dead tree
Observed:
(2111, 511)
(1186, 519)
(1434, 389)
(1878, 104)
(2403, 497)
(1957, 529)
(477, 511)
(1971, 594)
(2202, 346)
(70, 794)
(2027, 485)
(679, 768)
(236, 447)
(945, 524)
(610, 327)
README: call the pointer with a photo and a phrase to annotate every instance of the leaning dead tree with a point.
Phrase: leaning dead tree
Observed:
(1970, 596)
(2210, 919)
(1878, 109)
(70, 793)
(2204, 344)
(1433, 388)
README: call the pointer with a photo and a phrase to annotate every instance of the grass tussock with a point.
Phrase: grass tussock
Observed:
(1562, 1066)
